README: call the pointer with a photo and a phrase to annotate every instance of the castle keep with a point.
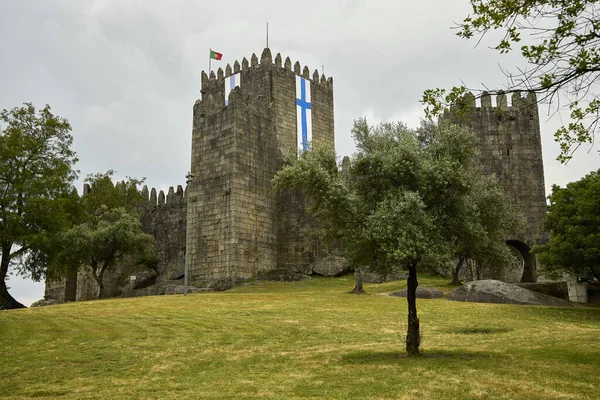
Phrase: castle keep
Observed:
(249, 116)
(235, 229)
(510, 147)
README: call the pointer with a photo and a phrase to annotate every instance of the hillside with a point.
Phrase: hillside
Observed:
(297, 340)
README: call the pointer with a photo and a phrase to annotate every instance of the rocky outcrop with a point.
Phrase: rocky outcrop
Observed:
(491, 291)
(44, 302)
(331, 266)
(554, 289)
(377, 277)
(422, 293)
(281, 275)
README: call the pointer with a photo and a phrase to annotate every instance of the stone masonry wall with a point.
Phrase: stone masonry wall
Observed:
(509, 143)
(236, 225)
(163, 217)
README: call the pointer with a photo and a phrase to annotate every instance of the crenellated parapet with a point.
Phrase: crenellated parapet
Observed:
(517, 102)
(152, 197)
(211, 80)
(158, 198)
(212, 84)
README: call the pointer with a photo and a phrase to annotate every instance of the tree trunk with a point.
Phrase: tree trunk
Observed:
(413, 336)
(99, 277)
(6, 300)
(358, 288)
(455, 272)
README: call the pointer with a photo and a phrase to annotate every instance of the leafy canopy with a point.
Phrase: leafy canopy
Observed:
(408, 198)
(36, 175)
(560, 40)
(573, 221)
(107, 229)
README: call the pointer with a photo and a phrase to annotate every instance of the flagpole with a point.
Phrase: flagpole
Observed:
(209, 58)
(267, 35)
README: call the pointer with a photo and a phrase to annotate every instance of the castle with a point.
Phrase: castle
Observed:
(249, 116)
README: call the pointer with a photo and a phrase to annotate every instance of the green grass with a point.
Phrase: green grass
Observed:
(297, 340)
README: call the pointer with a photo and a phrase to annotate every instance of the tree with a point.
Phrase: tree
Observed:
(108, 228)
(573, 221)
(36, 172)
(397, 208)
(484, 219)
(562, 48)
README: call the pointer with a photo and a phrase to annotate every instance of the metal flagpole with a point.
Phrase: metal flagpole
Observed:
(188, 181)
(267, 35)
(209, 59)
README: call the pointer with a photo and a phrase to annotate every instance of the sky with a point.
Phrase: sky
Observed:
(126, 73)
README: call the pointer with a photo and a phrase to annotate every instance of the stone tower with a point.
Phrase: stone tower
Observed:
(235, 224)
(509, 143)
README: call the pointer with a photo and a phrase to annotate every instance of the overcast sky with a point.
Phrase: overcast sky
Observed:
(126, 73)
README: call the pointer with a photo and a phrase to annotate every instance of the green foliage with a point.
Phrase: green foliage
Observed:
(561, 43)
(406, 200)
(573, 221)
(36, 178)
(103, 193)
(483, 221)
(412, 196)
(107, 228)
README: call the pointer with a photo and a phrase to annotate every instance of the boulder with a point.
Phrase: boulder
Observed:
(281, 275)
(422, 293)
(554, 289)
(492, 291)
(143, 279)
(376, 277)
(331, 266)
(304, 269)
(44, 302)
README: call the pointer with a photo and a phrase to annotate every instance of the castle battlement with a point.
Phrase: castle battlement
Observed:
(156, 198)
(528, 101)
(213, 84)
(265, 60)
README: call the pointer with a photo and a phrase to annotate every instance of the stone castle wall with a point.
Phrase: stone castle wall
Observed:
(238, 226)
(164, 217)
(509, 142)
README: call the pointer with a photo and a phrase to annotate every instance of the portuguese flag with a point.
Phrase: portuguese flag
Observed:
(215, 56)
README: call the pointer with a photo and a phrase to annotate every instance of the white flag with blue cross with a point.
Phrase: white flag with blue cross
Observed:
(303, 113)
(230, 83)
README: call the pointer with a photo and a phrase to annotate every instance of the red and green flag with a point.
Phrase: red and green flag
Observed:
(215, 56)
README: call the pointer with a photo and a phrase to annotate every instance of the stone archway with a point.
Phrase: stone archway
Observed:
(529, 262)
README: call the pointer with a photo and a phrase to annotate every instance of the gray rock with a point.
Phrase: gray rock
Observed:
(144, 279)
(331, 266)
(44, 302)
(305, 269)
(422, 293)
(376, 277)
(554, 289)
(491, 291)
(281, 275)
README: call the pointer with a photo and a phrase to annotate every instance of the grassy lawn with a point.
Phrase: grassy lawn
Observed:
(298, 340)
